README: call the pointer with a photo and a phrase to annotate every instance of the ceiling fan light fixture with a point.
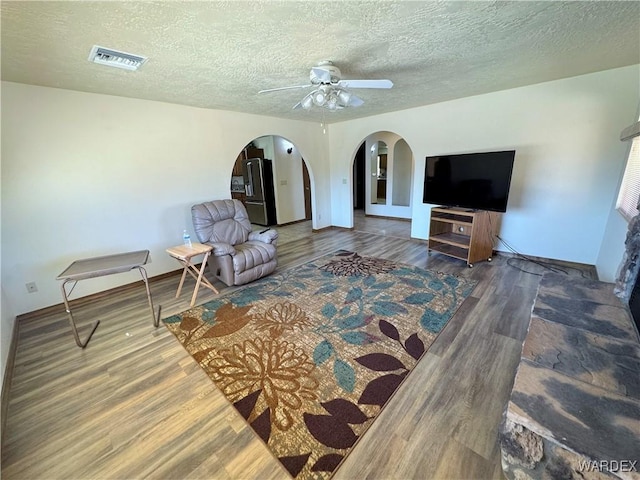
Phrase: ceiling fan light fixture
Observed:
(344, 97)
(319, 98)
(307, 102)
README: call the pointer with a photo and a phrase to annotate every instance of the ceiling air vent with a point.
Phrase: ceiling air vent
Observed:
(114, 58)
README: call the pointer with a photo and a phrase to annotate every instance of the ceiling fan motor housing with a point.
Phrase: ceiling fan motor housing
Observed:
(325, 73)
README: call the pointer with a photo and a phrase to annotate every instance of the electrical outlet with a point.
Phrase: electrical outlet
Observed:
(32, 287)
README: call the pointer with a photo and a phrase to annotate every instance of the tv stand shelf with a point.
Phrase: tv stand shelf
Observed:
(463, 233)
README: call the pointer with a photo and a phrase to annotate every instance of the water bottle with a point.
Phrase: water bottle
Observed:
(187, 239)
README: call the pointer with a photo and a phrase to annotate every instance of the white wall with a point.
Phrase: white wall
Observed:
(402, 174)
(289, 184)
(86, 174)
(266, 144)
(7, 321)
(568, 161)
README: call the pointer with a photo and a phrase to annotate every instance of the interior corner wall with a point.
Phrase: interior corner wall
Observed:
(86, 174)
(7, 322)
(567, 167)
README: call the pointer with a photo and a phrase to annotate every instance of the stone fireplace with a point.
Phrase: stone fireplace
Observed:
(575, 401)
(627, 288)
(628, 282)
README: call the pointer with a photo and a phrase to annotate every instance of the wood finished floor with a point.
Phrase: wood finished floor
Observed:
(135, 405)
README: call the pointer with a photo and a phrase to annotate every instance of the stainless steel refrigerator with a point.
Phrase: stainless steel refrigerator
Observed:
(258, 186)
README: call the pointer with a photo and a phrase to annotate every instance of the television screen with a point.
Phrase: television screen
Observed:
(478, 181)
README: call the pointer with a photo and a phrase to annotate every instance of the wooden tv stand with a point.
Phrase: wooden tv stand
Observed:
(463, 233)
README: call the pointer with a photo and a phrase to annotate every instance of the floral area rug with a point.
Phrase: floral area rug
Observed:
(310, 356)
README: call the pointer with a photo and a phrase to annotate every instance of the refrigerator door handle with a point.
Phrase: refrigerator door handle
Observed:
(248, 188)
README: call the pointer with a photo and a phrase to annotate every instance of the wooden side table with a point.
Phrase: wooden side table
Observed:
(184, 254)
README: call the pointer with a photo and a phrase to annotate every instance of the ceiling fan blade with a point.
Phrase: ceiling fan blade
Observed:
(283, 88)
(355, 101)
(365, 83)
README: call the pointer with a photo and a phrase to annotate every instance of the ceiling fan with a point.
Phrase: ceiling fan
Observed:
(330, 91)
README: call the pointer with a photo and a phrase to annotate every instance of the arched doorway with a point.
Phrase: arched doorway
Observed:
(384, 165)
(277, 167)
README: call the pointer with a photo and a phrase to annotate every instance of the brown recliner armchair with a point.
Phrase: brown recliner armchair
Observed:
(239, 255)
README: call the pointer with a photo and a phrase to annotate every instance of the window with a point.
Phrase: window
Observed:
(629, 194)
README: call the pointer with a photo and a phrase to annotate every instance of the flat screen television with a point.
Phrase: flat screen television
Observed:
(478, 181)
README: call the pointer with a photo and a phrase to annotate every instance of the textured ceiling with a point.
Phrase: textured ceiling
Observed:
(220, 54)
